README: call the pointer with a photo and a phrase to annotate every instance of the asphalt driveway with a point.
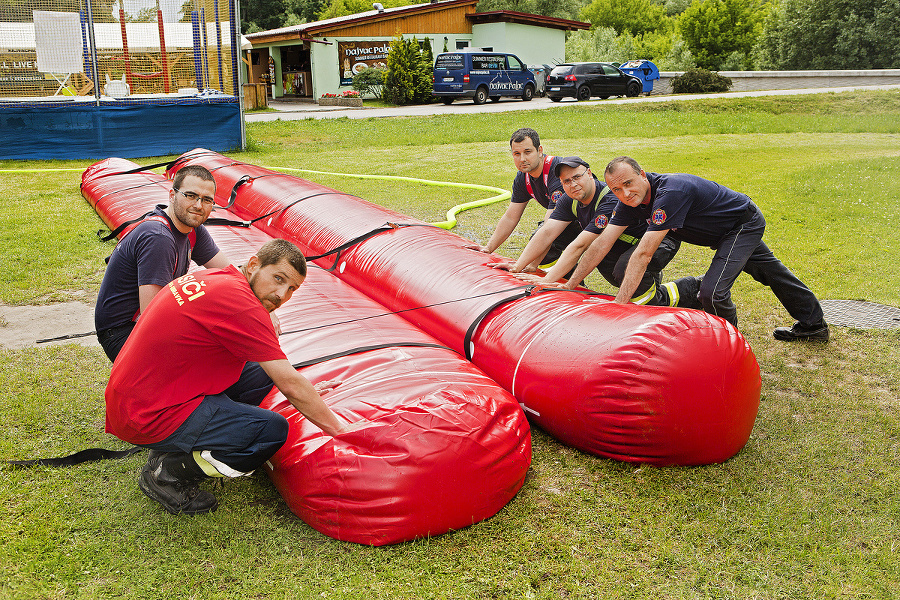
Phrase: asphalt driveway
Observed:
(293, 111)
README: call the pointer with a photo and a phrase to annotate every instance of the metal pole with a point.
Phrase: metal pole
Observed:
(219, 43)
(95, 73)
(162, 48)
(198, 52)
(234, 15)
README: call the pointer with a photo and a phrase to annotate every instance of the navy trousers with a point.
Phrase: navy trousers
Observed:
(613, 266)
(112, 339)
(232, 426)
(742, 249)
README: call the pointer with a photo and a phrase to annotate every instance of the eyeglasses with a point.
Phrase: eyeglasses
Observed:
(193, 197)
(574, 178)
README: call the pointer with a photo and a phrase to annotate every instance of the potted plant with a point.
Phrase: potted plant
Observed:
(346, 98)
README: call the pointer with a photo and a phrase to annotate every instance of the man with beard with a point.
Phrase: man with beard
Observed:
(158, 250)
(167, 389)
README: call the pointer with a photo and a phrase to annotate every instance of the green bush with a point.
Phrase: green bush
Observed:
(700, 81)
(369, 82)
(408, 77)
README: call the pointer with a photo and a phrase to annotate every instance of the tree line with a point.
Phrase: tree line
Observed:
(678, 34)
(674, 34)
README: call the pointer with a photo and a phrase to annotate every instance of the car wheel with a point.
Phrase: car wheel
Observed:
(447, 100)
(583, 93)
(554, 99)
(528, 93)
(481, 95)
(633, 89)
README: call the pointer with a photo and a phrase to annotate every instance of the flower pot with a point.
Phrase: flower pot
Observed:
(340, 102)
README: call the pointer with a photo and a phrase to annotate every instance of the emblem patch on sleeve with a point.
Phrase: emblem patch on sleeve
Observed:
(659, 216)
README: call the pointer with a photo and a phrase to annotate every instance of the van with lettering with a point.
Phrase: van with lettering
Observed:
(477, 74)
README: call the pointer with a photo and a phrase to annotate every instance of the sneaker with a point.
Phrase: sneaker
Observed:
(176, 495)
(816, 333)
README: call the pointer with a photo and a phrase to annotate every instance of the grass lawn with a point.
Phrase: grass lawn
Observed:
(810, 508)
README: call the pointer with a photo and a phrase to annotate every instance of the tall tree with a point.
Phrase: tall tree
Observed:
(715, 29)
(627, 16)
(402, 71)
(260, 15)
(830, 34)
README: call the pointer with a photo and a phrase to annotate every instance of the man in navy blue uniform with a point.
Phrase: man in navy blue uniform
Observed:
(591, 204)
(155, 252)
(702, 212)
(536, 179)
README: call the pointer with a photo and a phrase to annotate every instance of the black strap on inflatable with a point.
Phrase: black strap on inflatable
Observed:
(91, 454)
(70, 336)
(361, 238)
(361, 349)
(211, 221)
(168, 165)
(525, 291)
(244, 179)
(397, 312)
(115, 232)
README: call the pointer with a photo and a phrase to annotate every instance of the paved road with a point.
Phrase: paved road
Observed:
(293, 111)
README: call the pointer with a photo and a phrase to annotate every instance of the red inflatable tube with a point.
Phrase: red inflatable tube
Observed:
(443, 446)
(645, 384)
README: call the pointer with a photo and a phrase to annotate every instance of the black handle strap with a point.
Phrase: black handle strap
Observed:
(88, 455)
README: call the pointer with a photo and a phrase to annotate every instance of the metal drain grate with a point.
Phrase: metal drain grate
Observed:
(859, 314)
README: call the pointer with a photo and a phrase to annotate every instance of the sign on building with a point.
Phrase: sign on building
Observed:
(353, 57)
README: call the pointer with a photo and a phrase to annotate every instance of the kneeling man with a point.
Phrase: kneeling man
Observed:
(180, 386)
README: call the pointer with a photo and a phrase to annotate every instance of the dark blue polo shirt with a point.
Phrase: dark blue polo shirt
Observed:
(693, 209)
(153, 253)
(594, 216)
(547, 194)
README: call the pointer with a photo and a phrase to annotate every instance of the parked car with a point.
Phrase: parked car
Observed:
(481, 75)
(585, 79)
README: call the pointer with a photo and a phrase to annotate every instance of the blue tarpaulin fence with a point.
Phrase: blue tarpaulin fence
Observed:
(134, 81)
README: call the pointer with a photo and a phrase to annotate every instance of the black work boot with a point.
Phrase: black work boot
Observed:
(798, 332)
(688, 292)
(172, 479)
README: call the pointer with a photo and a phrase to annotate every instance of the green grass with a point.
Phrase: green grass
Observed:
(808, 509)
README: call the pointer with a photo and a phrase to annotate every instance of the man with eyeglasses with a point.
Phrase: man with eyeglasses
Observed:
(592, 204)
(536, 180)
(158, 250)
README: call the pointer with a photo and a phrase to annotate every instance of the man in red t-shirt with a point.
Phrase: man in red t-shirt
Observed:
(177, 385)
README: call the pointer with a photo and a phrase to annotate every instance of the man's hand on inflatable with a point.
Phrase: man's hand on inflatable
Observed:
(323, 387)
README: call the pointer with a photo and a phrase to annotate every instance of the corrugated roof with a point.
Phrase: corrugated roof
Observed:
(511, 16)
